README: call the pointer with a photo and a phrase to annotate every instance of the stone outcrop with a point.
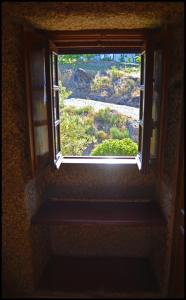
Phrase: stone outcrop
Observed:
(81, 78)
(133, 129)
(79, 82)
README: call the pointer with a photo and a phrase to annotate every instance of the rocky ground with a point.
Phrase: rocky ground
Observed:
(131, 112)
(120, 90)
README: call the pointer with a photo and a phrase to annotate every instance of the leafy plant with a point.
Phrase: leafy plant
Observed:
(84, 110)
(63, 94)
(100, 82)
(74, 58)
(138, 59)
(75, 134)
(90, 130)
(104, 115)
(125, 86)
(115, 73)
(101, 135)
(125, 147)
(115, 133)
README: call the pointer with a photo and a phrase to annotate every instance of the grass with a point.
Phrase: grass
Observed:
(79, 128)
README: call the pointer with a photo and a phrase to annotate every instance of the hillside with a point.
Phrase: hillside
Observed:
(105, 81)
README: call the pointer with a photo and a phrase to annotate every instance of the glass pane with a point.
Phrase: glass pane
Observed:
(39, 98)
(39, 105)
(141, 110)
(57, 139)
(153, 145)
(142, 68)
(54, 69)
(56, 104)
(41, 140)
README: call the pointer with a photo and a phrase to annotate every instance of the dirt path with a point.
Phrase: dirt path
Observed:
(128, 111)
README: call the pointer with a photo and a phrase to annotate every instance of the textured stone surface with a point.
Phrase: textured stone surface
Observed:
(17, 255)
(100, 240)
(92, 15)
(21, 196)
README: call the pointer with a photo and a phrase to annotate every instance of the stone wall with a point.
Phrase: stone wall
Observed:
(21, 194)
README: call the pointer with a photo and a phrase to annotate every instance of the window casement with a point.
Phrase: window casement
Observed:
(53, 95)
(41, 62)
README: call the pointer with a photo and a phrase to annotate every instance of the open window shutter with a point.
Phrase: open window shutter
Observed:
(156, 99)
(53, 92)
(145, 117)
(35, 67)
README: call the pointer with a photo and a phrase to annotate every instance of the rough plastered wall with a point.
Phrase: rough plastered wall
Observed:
(166, 188)
(25, 250)
(21, 197)
(82, 181)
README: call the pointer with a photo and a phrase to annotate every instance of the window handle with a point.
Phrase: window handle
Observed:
(140, 122)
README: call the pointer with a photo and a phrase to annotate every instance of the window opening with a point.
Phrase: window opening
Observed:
(99, 104)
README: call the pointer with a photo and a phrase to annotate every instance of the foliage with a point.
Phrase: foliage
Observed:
(115, 133)
(125, 86)
(131, 70)
(100, 82)
(68, 58)
(104, 115)
(125, 147)
(108, 117)
(81, 127)
(115, 73)
(90, 130)
(107, 59)
(74, 58)
(75, 134)
(138, 59)
(101, 135)
(84, 110)
(63, 94)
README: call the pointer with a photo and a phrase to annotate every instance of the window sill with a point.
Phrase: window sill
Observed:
(99, 160)
(78, 212)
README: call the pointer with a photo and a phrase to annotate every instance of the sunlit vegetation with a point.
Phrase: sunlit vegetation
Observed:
(104, 132)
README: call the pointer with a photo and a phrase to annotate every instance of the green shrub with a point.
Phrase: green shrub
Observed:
(63, 94)
(90, 130)
(115, 133)
(109, 118)
(104, 115)
(69, 109)
(99, 82)
(125, 147)
(125, 86)
(75, 134)
(101, 135)
(131, 70)
(115, 73)
(84, 110)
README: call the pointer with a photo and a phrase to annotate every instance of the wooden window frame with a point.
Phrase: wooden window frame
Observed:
(35, 42)
(102, 41)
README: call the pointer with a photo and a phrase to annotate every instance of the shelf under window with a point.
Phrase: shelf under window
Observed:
(136, 213)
